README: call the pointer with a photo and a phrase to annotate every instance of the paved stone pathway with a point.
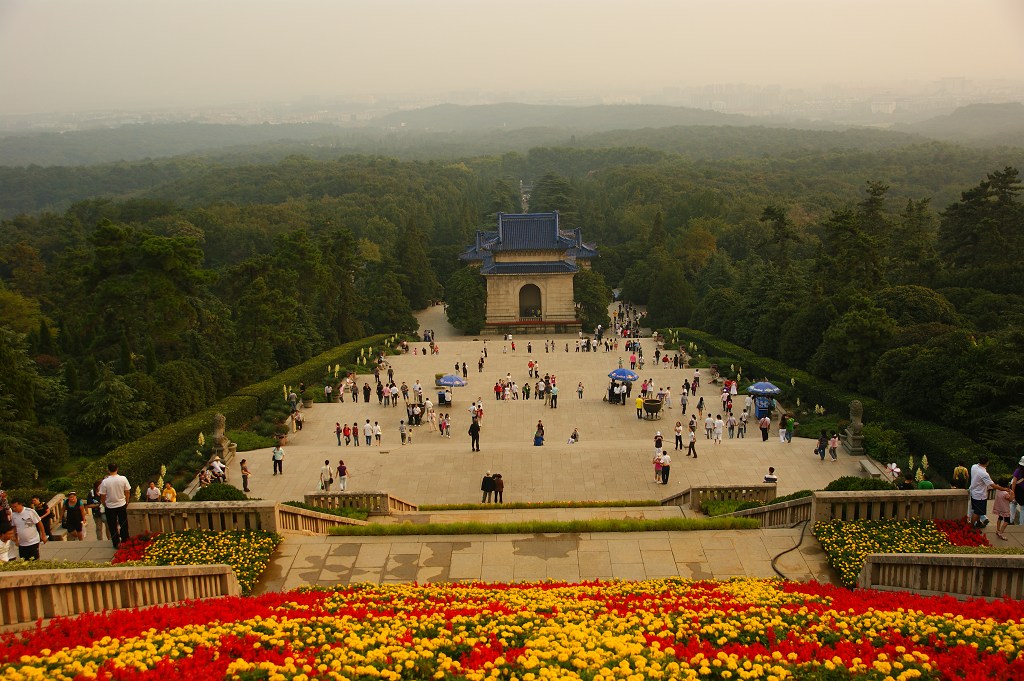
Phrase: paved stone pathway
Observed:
(612, 461)
(568, 557)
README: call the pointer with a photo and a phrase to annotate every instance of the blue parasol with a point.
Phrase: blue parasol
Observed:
(764, 388)
(624, 375)
(451, 381)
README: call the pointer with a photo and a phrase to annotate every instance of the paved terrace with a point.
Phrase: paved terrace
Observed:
(611, 462)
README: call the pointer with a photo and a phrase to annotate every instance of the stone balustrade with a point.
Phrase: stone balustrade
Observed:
(784, 514)
(695, 496)
(202, 515)
(375, 503)
(959, 575)
(27, 596)
(293, 519)
(937, 504)
(231, 515)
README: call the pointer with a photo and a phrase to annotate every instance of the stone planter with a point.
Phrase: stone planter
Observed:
(307, 404)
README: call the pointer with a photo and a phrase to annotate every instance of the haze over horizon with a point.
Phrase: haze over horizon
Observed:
(110, 54)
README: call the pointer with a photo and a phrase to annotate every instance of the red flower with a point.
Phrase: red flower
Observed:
(961, 533)
(134, 548)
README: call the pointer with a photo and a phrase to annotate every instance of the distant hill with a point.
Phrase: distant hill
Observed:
(153, 140)
(452, 117)
(977, 123)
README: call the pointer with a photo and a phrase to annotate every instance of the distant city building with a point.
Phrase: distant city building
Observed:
(529, 264)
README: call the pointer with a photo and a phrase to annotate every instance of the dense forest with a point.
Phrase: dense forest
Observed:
(133, 294)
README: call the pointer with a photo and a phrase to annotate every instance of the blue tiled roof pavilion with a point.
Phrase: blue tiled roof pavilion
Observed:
(556, 250)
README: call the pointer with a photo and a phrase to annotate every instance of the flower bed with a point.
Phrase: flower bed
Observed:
(960, 533)
(246, 551)
(847, 543)
(659, 629)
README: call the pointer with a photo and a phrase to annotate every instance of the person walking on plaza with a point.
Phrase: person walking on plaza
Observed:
(499, 489)
(114, 493)
(692, 448)
(75, 518)
(981, 483)
(342, 476)
(474, 435)
(29, 528)
(1017, 485)
(338, 432)
(666, 465)
(764, 424)
(487, 487)
(679, 435)
(639, 407)
(326, 476)
(822, 447)
(277, 455)
(1001, 508)
(554, 397)
(245, 475)
(833, 447)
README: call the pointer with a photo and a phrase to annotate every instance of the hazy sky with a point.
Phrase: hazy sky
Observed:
(87, 54)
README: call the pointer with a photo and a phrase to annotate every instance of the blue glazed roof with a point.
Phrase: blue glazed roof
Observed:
(552, 267)
(528, 232)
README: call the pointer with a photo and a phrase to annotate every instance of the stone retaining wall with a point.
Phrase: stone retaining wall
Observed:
(959, 575)
(30, 595)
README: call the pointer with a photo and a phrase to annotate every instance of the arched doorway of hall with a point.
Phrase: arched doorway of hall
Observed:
(529, 302)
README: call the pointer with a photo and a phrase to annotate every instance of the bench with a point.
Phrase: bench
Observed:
(869, 468)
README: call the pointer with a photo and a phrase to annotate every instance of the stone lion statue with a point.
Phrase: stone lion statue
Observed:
(856, 417)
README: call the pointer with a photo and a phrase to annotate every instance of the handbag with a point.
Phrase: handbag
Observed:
(330, 481)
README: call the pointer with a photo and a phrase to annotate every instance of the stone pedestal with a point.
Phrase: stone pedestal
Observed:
(853, 445)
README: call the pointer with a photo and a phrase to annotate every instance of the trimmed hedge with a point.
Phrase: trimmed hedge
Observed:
(220, 491)
(140, 460)
(943, 446)
(312, 371)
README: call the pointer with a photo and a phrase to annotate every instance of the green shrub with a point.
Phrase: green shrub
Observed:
(263, 428)
(220, 492)
(61, 484)
(141, 459)
(25, 494)
(802, 494)
(247, 440)
(884, 444)
(851, 483)
(713, 507)
(310, 372)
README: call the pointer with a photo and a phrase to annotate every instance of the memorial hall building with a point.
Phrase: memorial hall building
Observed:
(529, 263)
